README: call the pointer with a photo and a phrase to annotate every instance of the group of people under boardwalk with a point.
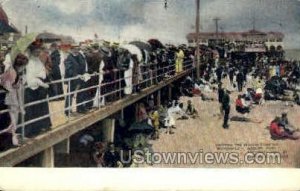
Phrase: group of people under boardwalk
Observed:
(151, 120)
(258, 77)
(96, 75)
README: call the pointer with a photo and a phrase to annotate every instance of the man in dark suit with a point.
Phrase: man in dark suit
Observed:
(240, 81)
(75, 66)
(226, 108)
(55, 74)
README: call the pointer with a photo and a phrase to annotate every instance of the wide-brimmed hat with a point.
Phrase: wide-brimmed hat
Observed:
(35, 45)
(104, 50)
(115, 44)
(74, 45)
(95, 46)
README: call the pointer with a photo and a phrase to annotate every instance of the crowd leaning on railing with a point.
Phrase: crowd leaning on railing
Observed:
(92, 75)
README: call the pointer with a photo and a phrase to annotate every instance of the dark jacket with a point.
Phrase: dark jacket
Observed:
(74, 65)
(231, 73)
(55, 59)
(93, 60)
(220, 94)
(240, 77)
(226, 101)
(55, 74)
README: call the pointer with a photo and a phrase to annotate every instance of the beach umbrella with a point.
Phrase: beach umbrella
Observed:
(22, 44)
(48, 37)
(142, 45)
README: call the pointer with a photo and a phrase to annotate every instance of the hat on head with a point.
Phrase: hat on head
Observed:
(95, 46)
(104, 50)
(35, 45)
(115, 44)
(106, 43)
(74, 45)
(54, 45)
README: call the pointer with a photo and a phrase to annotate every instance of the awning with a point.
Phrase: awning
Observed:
(5, 28)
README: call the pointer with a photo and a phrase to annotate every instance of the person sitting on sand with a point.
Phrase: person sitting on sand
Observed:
(155, 122)
(190, 110)
(240, 105)
(296, 97)
(278, 132)
(284, 122)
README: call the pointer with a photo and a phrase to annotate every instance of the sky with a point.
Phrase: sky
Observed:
(127, 20)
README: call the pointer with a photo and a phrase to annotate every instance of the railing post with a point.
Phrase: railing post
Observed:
(99, 90)
(120, 85)
(158, 97)
(23, 107)
(69, 99)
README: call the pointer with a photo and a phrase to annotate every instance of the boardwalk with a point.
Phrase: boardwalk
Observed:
(64, 129)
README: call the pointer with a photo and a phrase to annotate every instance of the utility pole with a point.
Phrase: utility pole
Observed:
(197, 38)
(217, 26)
(253, 23)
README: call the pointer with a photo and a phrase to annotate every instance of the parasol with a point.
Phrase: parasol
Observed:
(48, 37)
(22, 44)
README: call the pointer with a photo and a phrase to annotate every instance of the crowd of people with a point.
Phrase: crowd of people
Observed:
(94, 74)
(257, 77)
(97, 75)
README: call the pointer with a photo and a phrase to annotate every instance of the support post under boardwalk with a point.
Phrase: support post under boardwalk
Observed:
(48, 158)
(158, 97)
(108, 129)
(170, 92)
(122, 113)
(136, 105)
(63, 147)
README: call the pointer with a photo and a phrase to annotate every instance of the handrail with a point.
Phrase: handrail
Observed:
(166, 70)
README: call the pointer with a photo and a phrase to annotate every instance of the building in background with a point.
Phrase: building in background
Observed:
(9, 34)
(249, 41)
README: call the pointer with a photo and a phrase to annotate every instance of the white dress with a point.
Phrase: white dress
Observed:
(35, 72)
(170, 121)
(7, 62)
(98, 99)
(128, 79)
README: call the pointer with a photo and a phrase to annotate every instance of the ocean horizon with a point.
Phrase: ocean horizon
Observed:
(293, 54)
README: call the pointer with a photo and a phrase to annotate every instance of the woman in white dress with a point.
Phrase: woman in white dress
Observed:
(37, 90)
